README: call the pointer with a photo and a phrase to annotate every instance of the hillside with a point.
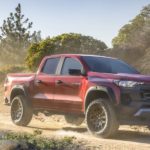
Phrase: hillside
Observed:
(132, 42)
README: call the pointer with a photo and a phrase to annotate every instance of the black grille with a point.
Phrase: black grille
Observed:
(145, 91)
(146, 94)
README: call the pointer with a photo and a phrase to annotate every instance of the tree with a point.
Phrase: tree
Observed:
(136, 33)
(65, 43)
(16, 37)
(132, 42)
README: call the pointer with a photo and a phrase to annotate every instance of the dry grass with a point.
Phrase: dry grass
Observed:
(1, 93)
(11, 69)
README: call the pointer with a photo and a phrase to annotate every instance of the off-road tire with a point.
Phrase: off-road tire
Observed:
(26, 112)
(111, 125)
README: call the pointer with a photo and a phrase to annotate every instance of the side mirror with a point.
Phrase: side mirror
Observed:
(77, 72)
(74, 72)
(83, 72)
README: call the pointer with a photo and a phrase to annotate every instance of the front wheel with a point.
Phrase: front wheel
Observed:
(21, 111)
(101, 119)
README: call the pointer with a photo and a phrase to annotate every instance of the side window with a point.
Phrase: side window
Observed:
(70, 63)
(50, 65)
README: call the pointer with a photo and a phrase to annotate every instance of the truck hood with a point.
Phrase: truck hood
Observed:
(120, 76)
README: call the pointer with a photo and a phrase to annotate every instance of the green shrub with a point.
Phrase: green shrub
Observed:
(65, 43)
(42, 143)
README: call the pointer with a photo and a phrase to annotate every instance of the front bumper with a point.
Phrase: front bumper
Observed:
(143, 112)
(135, 102)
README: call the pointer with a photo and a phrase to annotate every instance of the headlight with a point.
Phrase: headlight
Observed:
(128, 84)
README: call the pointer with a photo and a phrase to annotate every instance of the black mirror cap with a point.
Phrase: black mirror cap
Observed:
(83, 72)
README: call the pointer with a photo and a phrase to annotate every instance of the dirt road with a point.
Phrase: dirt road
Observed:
(127, 138)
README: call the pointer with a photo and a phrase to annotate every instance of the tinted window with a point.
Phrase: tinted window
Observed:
(70, 63)
(50, 66)
(108, 65)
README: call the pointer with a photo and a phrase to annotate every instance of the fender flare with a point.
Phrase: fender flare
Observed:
(109, 91)
(20, 88)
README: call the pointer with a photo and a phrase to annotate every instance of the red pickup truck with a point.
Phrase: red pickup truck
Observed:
(104, 91)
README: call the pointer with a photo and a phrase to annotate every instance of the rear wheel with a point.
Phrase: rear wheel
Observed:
(74, 119)
(21, 111)
(101, 119)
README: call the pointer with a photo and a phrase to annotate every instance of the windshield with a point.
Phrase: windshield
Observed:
(108, 65)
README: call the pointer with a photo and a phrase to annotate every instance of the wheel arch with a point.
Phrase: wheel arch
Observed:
(98, 92)
(19, 90)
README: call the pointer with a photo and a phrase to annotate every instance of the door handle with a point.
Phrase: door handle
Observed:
(38, 81)
(59, 82)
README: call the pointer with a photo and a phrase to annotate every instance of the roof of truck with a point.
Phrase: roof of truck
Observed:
(56, 55)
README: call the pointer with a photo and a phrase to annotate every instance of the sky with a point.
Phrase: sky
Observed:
(101, 19)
